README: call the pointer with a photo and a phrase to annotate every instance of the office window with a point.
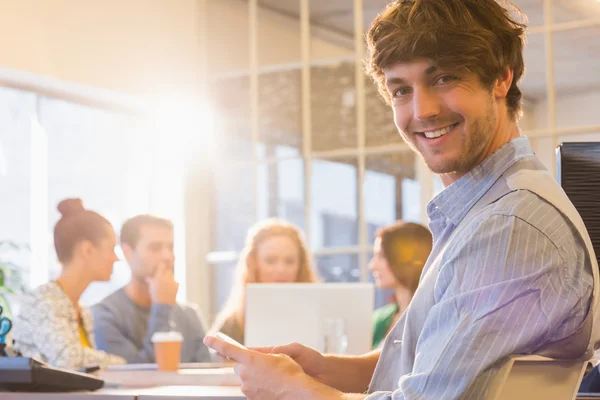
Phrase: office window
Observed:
(381, 130)
(231, 103)
(17, 115)
(576, 76)
(391, 190)
(572, 11)
(234, 200)
(333, 107)
(52, 149)
(280, 125)
(338, 268)
(334, 207)
(224, 275)
(101, 157)
(280, 187)
(17, 111)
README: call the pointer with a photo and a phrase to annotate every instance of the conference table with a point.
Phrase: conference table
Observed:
(153, 393)
(144, 382)
(157, 393)
(201, 381)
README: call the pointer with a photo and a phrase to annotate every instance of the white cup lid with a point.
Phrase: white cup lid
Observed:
(171, 336)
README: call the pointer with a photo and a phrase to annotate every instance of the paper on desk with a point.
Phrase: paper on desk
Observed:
(153, 366)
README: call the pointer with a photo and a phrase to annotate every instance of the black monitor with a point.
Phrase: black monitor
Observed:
(578, 172)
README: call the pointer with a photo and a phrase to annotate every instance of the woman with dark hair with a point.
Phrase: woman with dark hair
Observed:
(51, 324)
(400, 253)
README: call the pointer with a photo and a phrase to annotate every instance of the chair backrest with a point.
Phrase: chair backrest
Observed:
(535, 377)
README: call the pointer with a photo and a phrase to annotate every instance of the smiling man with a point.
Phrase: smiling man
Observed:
(512, 269)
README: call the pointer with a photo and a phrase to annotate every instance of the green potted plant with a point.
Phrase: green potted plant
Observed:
(12, 271)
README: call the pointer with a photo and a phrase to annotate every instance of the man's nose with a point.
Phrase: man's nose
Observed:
(167, 254)
(425, 104)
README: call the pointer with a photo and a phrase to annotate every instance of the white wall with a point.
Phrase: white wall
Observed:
(137, 47)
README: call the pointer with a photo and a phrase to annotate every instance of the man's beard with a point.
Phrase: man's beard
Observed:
(476, 136)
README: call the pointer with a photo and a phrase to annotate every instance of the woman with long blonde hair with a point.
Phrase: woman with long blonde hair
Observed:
(275, 252)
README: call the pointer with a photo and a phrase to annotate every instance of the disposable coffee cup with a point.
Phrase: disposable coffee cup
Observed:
(167, 350)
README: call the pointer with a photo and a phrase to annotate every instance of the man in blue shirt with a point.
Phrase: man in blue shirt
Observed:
(512, 270)
(125, 321)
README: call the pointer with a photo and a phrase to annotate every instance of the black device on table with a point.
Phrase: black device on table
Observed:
(24, 374)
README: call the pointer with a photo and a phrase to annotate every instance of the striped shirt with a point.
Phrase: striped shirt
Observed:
(512, 278)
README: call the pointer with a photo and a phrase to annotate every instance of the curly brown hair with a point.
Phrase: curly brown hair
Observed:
(476, 36)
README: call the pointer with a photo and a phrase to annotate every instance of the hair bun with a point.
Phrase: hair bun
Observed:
(70, 207)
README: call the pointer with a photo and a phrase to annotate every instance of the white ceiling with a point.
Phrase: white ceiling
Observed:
(576, 52)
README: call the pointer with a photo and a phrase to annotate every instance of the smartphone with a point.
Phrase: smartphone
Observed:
(229, 340)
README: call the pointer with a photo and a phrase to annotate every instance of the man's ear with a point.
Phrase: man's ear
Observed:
(503, 83)
(127, 251)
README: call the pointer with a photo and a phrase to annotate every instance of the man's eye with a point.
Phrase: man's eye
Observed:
(446, 79)
(401, 92)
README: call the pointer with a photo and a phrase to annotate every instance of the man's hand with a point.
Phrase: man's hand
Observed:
(311, 361)
(271, 376)
(348, 374)
(163, 287)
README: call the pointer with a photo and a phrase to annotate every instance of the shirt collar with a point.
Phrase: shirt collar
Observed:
(457, 199)
(61, 299)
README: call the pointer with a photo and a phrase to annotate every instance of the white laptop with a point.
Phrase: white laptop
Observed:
(297, 312)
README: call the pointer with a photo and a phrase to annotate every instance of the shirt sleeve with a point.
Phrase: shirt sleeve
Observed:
(500, 291)
(198, 332)
(111, 337)
(59, 343)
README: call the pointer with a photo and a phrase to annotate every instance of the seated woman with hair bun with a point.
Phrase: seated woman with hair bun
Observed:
(51, 324)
